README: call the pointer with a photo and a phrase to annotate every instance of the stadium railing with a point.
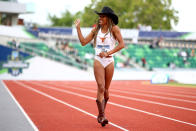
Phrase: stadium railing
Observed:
(41, 49)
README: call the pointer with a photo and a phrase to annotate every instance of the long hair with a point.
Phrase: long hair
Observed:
(98, 27)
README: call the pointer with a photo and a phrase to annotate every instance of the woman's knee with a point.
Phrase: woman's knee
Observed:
(106, 93)
(101, 87)
(101, 90)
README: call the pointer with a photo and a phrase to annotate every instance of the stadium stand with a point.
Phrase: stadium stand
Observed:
(27, 42)
(55, 30)
(49, 31)
(86, 53)
(165, 34)
(142, 34)
(155, 58)
(161, 57)
(41, 49)
(164, 55)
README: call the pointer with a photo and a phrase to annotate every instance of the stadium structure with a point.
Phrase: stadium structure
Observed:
(10, 10)
(154, 55)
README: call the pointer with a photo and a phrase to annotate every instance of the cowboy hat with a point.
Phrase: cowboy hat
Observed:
(110, 13)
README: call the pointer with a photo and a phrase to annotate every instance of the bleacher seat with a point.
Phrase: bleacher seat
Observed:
(159, 57)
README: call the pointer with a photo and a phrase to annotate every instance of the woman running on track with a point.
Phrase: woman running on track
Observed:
(106, 34)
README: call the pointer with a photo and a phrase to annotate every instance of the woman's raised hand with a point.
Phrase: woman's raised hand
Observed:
(77, 23)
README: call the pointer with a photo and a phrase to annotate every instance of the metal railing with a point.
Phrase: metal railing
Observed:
(36, 52)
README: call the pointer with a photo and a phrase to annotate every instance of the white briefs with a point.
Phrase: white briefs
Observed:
(105, 61)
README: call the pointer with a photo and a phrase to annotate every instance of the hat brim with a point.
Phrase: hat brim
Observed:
(113, 16)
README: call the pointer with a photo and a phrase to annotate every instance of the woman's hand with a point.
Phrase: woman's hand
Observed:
(103, 54)
(77, 23)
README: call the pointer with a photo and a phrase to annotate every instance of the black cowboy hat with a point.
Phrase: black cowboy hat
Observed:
(110, 13)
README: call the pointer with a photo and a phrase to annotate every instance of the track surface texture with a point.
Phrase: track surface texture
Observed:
(133, 105)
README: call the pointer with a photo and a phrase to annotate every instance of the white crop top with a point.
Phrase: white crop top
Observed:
(104, 43)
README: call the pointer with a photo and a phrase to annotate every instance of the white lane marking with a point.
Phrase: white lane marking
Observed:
(154, 96)
(162, 93)
(129, 98)
(20, 107)
(126, 107)
(62, 102)
(142, 94)
(141, 90)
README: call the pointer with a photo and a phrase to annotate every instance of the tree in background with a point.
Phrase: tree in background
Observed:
(156, 13)
(66, 19)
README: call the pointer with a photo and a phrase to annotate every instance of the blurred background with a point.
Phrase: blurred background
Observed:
(38, 40)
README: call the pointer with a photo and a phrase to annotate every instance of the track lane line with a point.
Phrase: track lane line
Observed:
(161, 93)
(143, 94)
(172, 89)
(130, 98)
(115, 104)
(20, 107)
(142, 87)
(154, 96)
(65, 103)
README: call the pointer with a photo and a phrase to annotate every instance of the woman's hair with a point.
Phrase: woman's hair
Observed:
(98, 27)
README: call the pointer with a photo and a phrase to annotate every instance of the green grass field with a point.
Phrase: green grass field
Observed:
(3, 71)
(176, 84)
(172, 84)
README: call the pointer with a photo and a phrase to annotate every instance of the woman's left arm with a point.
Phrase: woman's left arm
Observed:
(117, 34)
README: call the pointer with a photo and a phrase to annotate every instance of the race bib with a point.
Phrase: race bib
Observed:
(103, 48)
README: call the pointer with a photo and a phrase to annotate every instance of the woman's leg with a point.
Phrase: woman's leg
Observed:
(99, 73)
(109, 71)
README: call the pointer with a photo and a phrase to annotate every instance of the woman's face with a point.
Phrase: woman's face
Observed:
(102, 19)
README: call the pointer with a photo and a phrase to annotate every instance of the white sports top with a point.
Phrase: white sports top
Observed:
(104, 43)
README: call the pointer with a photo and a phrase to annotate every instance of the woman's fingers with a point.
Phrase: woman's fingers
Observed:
(77, 22)
(103, 54)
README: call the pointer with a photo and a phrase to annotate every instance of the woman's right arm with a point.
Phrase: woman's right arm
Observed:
(88, 38)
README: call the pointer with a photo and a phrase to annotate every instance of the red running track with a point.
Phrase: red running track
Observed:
(133, 105)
